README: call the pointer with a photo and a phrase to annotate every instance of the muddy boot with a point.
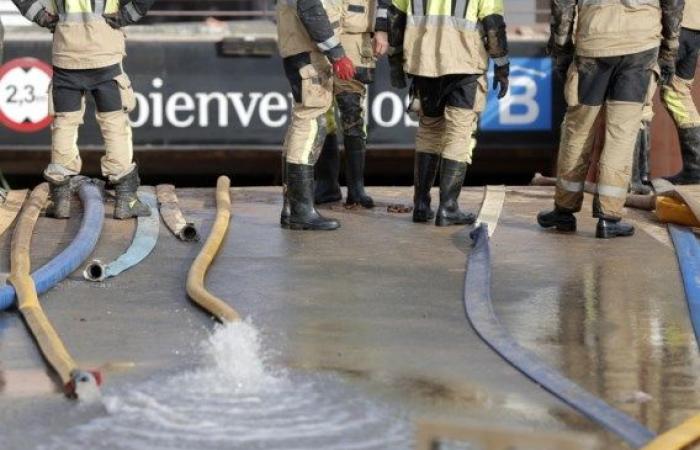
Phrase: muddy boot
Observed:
(452, 175)
(327, 171)
(609, 228)
(561, 220)
(690, 152)
(355, 172)
(127, 204)
(424, 171)
(640, 165)
(61, 195)
(300, 190)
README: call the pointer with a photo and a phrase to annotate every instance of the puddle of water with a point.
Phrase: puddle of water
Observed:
(234, 400)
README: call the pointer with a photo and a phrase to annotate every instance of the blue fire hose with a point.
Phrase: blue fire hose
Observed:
(479, 310)
(688, 252)
(72, 256)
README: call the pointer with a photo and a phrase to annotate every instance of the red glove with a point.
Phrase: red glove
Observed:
(344, 68)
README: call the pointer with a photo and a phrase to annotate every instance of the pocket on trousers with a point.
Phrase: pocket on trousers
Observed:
(356, 17)
(126, 92)
(481, 93)
(316, 88)
(52, 108)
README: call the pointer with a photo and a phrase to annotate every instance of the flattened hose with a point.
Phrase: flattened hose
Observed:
(47, 338)
(688, 252)
(172, 215)
(195, 278)
(145, 239)
(479, 311)
(72, 256)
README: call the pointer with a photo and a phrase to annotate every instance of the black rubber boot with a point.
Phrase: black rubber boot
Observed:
(690, 152)
(355, 172)
(127, 204)
(61, 195)
(610, 228)
(452, 174)
(300, 190)
(561, 220)
(327, 170)
(640, 165)
(424, 172)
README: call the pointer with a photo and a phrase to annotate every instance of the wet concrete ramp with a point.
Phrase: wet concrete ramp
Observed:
(366, 324)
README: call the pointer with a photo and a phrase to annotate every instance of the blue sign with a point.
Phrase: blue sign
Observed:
(528, 105)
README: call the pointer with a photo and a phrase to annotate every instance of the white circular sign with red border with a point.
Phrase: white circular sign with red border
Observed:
(24, 95)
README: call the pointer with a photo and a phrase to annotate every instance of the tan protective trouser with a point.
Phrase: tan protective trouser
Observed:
(452, 136)
(306, 132)
(678, 99)
(615, 165)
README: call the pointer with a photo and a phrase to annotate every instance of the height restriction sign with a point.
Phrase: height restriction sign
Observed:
(24, 100)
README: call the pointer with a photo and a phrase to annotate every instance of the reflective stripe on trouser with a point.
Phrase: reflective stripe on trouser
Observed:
(451, 135)
(678, 99)
(119, 150)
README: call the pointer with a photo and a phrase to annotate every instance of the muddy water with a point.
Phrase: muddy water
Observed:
(235, 400)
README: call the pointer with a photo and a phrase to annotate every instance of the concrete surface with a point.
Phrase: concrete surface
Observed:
(377, 304)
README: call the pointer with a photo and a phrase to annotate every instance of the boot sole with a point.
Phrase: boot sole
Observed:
(605, 235)
(448, 223)
(307, 227)
(562, 228)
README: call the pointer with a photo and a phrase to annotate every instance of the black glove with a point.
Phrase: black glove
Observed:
(46, 19)
(668, 70)
(396, 73)
(119, 20)
(500, 77)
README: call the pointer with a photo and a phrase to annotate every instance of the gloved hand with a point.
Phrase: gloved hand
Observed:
(46, 19)
(118, 20)
(668, 70)
(396, 74)
(343, 68)
(500, 77)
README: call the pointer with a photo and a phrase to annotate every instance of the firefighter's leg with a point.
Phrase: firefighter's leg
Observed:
(429, 145)
(464, 99)
(678, 99)
(327, 168)
(68, 108)
(114, 100)
(350, 98)
(312, 87)
(629, 91)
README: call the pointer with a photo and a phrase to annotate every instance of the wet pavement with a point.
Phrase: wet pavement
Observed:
(365, 322)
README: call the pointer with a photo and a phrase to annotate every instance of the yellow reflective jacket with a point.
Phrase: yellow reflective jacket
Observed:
(447, 37)
(83, 40)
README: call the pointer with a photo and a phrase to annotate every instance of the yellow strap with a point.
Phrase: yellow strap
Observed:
(46, 337)
(195, 278)
(678, 438)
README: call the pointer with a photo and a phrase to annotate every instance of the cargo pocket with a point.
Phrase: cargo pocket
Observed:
(52, 108)
(571, 86)
(126, 92)
(480, 94)
(356, 17)
(316, 89)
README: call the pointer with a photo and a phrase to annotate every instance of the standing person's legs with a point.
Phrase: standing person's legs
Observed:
(678, 99)
(585, 90)
(429, 144)
(67, 106)
(327, 168)
(312, 87)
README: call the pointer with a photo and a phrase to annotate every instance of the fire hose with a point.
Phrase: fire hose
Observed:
(77, 383)
(10, 208)
(77, 251)
(195, 278)
(172, 215)
(143, 243)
